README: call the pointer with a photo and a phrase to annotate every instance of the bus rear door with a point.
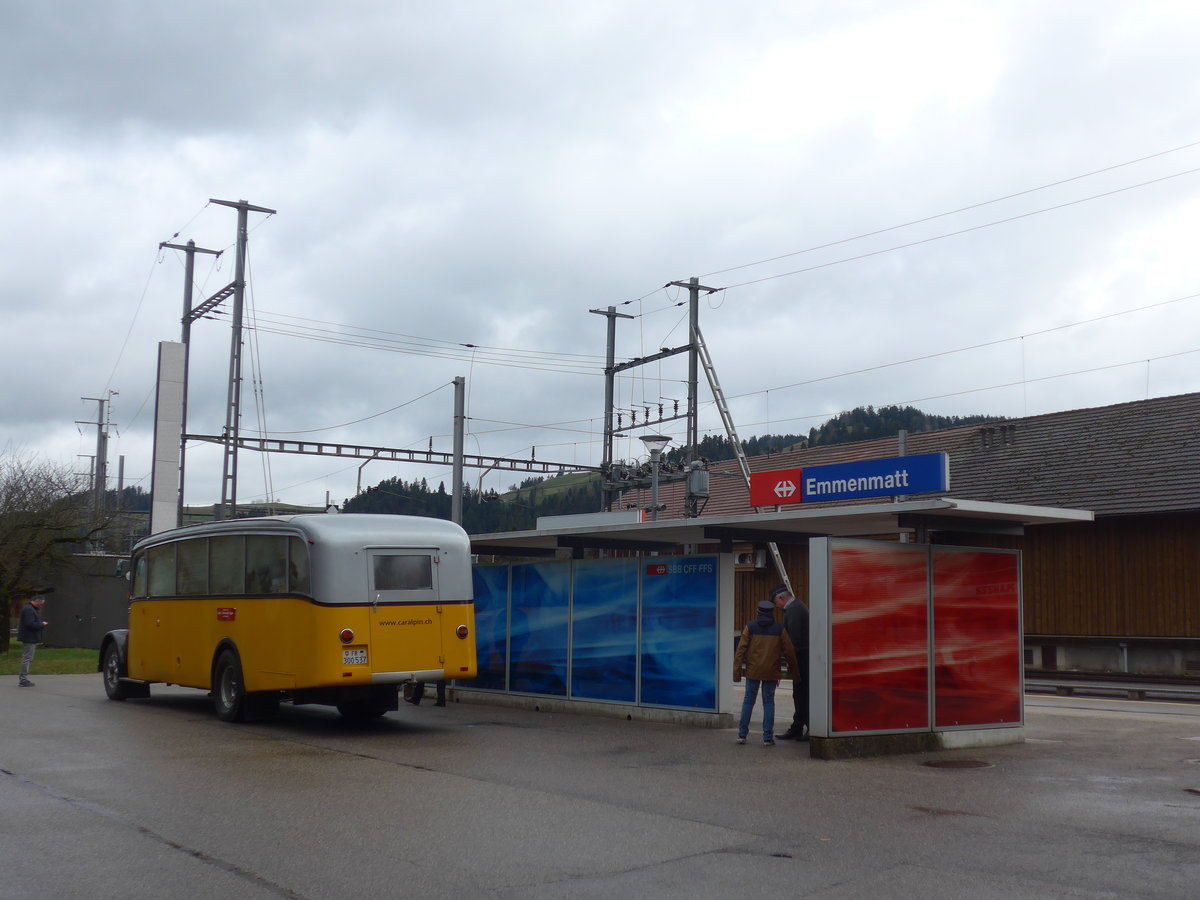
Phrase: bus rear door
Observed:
(406, 628)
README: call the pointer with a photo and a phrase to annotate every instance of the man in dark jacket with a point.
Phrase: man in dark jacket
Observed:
(29, 633)
(795, 620)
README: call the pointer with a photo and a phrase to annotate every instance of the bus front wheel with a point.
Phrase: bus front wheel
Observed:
(113, 686)
(229, 691)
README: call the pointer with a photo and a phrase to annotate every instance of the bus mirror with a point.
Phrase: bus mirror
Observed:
(123, 568)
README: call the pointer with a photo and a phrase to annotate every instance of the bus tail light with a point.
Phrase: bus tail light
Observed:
(347, 635)
(461, 631)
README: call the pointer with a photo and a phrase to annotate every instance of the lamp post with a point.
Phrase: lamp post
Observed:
(655, 443)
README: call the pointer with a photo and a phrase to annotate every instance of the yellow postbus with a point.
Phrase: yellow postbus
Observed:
(336, 609)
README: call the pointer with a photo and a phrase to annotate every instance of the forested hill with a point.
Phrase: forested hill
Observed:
(523, 503)
(862, 424)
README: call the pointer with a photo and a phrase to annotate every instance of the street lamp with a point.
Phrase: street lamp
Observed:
(655, 443)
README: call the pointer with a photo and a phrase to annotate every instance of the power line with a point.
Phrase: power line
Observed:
(942, 353)
(980, 390)
(962, 231)
(954, 212)
(364, 418)
(281, 319)
(133, 321)
(516, 361)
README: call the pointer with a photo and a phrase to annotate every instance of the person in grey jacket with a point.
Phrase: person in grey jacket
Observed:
(29, 633)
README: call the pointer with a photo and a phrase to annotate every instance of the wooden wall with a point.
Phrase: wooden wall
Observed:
(1135, 576)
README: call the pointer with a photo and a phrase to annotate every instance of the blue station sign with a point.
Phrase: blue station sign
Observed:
(921, 474)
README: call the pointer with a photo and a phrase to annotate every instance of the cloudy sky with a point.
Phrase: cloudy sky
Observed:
(969, 207)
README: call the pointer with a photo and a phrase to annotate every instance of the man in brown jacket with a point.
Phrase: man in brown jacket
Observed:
(764, 646)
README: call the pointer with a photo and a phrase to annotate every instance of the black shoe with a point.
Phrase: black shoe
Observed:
(440, 703)
(415, 701)
(803, 738)
(790, 735)
(25, 682)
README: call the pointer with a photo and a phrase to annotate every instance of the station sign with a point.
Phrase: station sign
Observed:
(921, 474)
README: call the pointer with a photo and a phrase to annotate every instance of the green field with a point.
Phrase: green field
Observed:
(50, 661)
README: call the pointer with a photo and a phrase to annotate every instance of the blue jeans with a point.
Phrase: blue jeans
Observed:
(768, 695)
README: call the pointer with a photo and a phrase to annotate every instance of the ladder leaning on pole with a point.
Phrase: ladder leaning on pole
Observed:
(731, 433)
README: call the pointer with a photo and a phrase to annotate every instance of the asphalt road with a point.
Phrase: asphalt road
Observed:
(158, 799)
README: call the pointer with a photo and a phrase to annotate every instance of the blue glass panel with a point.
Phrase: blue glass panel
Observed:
(538, 629)
(491, 625)
(679, 632)
(604, 630)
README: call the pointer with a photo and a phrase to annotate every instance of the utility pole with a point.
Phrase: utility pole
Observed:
(610, 377)
(694, 288)
(456, 482)
(611, 483)
(189, 270)
(233, 408)
(100, 467)
(693, 435)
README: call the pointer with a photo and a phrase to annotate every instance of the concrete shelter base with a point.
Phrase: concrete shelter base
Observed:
(595, 708)
(861, 746)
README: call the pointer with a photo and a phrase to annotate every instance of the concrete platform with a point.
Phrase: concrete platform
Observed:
(158, 800)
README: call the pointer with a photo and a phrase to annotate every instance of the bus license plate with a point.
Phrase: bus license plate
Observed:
(357, 657)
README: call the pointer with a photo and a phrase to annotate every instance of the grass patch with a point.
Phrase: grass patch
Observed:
(51, 660)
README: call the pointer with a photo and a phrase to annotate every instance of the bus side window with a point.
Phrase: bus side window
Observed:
(266, 564)
(227, 564)
(162, 570)
(139, 575)
(298, 577)
(192, 567)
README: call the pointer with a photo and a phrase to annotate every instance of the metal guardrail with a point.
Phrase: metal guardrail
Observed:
(1131, 688)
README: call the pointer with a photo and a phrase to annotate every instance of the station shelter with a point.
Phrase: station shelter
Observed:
(913, 644)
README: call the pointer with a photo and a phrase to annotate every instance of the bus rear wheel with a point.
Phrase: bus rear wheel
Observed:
(232, 702)
(113, 686)
(229, 691)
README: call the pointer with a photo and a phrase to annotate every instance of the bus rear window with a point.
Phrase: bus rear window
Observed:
(408, 572)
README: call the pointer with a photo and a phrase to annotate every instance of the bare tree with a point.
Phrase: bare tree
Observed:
(46, 512)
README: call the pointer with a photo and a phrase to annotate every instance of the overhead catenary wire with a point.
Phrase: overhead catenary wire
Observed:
(926, 219)
(403, 338)
(260, 398)
(572, 364)
(132, 322)
(960, 231)
(364, 418)
(954, 212)
(979, 390)
(518, 426)
(980, 346)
